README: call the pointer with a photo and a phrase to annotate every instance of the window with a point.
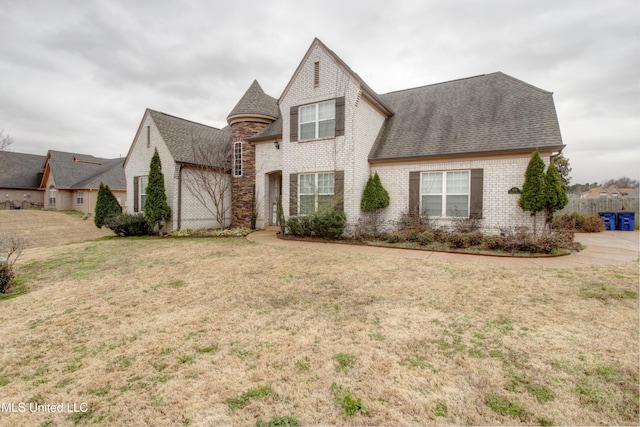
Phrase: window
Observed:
(318, 120)
(143, 181)
(445, 194)
(316, 192)
(52, 196)
(237, 158)
(80, 198)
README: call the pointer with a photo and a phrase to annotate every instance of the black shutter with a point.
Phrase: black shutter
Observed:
(293, 117)
(340, 116)
(475, 202)
(414, 193)
(293, 194)
(338, 191)
(135, 193)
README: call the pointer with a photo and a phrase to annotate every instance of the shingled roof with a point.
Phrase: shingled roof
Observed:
(255, 103)
(79, 171)
(483, 114)
(20, 171)
(183, 137)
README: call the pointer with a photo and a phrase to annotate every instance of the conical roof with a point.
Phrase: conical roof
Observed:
(254, 104)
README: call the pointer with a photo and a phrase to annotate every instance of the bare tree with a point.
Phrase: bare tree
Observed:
(207, 177)
(5, 140)
(11, 247)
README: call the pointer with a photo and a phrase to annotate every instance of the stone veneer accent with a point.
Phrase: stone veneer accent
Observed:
(243, 187)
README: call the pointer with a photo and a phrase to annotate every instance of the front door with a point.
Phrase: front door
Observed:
(275, 192)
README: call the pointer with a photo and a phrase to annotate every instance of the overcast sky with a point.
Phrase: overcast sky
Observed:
(77, 75)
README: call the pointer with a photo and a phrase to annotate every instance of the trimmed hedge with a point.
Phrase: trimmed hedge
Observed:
(327, 224)
(129, 225)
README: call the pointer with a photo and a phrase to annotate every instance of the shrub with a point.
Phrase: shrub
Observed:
(106, 206)
(458, 240)
(129, 225)
(5, 278)
(577, 221)
(426, 238)
(494, 242)
(328, 224)
(475, 238)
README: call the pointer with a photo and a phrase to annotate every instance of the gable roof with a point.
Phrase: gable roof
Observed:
(186, 139)
(18, 170)
(254, 103)
(491, 113)
(79, 171)
(367, 92)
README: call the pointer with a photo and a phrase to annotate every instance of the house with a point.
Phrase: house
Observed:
(71, 181)
(602, 192)
(20, 177)
(452, 150)
(194, 161)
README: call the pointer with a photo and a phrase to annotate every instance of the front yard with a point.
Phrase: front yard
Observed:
(225, 331)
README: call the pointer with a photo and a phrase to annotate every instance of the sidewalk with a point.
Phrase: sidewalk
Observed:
(605, 248)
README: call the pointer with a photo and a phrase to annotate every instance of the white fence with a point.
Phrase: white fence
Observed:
(594, 206)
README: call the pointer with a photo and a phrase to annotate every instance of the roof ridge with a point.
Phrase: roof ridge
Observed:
(437, 84)
(180, 118)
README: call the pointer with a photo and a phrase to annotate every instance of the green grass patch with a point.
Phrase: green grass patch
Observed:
(506, 407)
(440, 408)
(285, 421)
(348, 402)
(260, 392)
(171, 284)
(345, 361)
(541, 392)
(303, 364)
(185, 359)
(606, 293)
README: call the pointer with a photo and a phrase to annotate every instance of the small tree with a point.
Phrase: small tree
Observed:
(561, 164)
(107, 206)
(533, 197)
(556, 194)
(11, 247)
(209, 181)
(156, 208)
(374, 198)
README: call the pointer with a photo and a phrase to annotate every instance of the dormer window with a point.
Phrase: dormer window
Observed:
(318, 120)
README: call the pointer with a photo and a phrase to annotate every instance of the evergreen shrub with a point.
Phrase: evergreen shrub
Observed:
(327, 224)
(129, 225)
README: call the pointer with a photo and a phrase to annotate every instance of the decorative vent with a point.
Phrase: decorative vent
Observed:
(316, 74)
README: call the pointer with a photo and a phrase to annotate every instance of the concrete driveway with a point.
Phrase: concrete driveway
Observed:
(605, 248)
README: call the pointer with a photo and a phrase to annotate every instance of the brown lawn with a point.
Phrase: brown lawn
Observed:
(228, 332)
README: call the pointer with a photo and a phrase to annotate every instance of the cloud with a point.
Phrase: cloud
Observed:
(77, 76)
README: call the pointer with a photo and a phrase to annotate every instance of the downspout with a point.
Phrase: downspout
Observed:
(179, 197)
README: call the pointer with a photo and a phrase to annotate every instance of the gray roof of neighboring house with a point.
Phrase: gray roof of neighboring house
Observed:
(72, 170)
(256, 102)
(190, 142)
(483, 114)
(18, 170)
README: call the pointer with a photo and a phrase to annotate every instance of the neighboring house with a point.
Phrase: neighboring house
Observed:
(451, 150)
(188, 151)
(20, 177)
(602, 192)
(71, 181)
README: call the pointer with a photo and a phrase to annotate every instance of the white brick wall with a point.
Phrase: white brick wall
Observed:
(137, 164)
(196, 215)
(349, 152)
(500, 209)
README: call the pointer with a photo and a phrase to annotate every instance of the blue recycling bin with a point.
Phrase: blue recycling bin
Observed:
(609, 219)
(626, 221)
